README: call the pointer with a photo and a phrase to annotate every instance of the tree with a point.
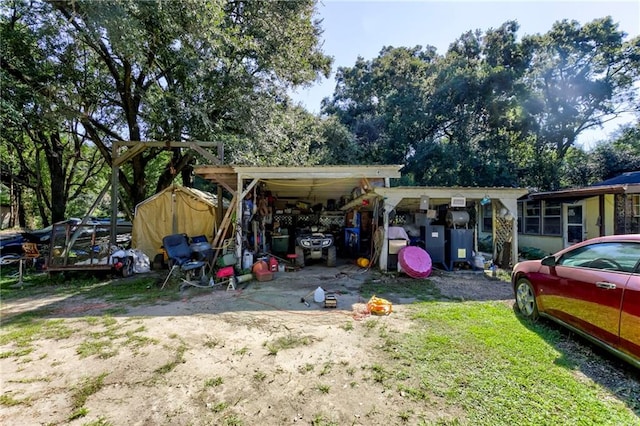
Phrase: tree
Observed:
(579, 78)
(40, 88)
(187, 70)
(380, 102)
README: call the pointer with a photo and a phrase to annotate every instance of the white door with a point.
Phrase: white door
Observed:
(574, 231)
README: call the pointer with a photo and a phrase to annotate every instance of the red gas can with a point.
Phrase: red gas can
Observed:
(273, 264)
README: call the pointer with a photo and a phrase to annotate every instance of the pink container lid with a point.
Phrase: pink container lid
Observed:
(415, 262)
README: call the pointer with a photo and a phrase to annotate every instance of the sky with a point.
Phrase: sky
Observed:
(363, 28)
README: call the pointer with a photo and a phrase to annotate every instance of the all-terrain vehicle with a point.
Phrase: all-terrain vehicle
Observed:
(315, 244)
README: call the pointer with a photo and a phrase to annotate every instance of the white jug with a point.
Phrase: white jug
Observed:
(318, 295)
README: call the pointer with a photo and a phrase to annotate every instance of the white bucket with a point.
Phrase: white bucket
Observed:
(247, 260)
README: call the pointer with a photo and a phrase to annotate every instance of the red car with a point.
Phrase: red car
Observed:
(592, 288)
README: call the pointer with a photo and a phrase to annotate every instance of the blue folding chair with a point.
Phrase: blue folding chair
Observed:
(180, 257)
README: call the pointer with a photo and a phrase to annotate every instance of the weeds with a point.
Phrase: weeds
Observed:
(9, 401)
(88, 387)
(259, 376)
(287, 342)
(177, 360)
(322, 388)
(213, 382)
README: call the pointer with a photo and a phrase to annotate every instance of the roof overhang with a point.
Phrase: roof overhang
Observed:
(580, 193)
(312, 183)
(409, 197)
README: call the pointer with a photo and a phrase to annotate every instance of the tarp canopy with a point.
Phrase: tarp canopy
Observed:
(177, 209)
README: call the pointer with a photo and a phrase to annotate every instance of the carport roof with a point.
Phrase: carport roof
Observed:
(410, 196)
(311, 183)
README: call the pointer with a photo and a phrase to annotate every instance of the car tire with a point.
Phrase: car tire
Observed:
(526, 299)
(299, 256)
(331, 256)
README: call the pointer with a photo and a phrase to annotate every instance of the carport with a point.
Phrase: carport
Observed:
(359, 195)
(427, 205)
(298, 190)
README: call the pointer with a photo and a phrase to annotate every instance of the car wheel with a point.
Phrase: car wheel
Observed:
(526, 299)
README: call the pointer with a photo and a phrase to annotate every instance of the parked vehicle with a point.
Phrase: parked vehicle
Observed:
(592, 288)
(11, 248)
(315, 244)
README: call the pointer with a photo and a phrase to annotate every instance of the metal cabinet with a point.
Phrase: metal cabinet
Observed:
(459, 246)
(433, 238)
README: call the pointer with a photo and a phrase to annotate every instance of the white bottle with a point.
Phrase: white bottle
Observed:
(318, 295)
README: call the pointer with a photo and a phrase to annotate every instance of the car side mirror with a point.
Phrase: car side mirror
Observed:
(548, 261)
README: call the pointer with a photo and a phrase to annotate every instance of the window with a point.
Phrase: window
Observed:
(621, 257)
(552, 218)
(520, 217)
(532, 217)
(487, 218)
(635, 203)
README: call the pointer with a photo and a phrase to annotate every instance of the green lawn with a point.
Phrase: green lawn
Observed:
(500, 369)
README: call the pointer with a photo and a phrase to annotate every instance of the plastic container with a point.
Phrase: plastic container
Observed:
(247, 259)
(244, 278)
(273, 264)
(228, 259)
(318, 295)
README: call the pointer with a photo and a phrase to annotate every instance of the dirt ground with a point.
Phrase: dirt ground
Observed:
(254, 355)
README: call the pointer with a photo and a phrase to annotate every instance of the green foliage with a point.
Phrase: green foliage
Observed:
(172, 71)
(531, 253)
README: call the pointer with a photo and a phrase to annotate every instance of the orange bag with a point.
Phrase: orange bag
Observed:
(379, 306)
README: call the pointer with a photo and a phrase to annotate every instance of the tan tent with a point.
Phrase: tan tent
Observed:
(175, 210)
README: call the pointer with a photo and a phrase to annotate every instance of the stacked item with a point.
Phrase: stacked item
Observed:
(415, 262)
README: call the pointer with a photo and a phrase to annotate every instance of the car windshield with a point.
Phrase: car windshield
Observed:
(619, 256)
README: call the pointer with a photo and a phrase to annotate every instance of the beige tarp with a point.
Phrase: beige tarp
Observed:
(175, 210)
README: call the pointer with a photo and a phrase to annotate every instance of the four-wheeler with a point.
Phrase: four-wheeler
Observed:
(315, 244)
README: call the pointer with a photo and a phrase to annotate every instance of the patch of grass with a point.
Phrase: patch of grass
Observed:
(242, 351)
(136, 291)
(405, 416)
(102, 348)
(9, 401)
(100, 421)
(326, 369)
(322, 388)
(212, 343)
(482, 359)
(380, 374)
(422, 290)
(320, 420)
(16, 353)
(219, 407)
(232, 420)
(178, 359)
(308, 367)
(370, 324)
(82, 392)
(287, 342)
(31, 380)
(213, 382)
(348, 326)
(259, 376)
